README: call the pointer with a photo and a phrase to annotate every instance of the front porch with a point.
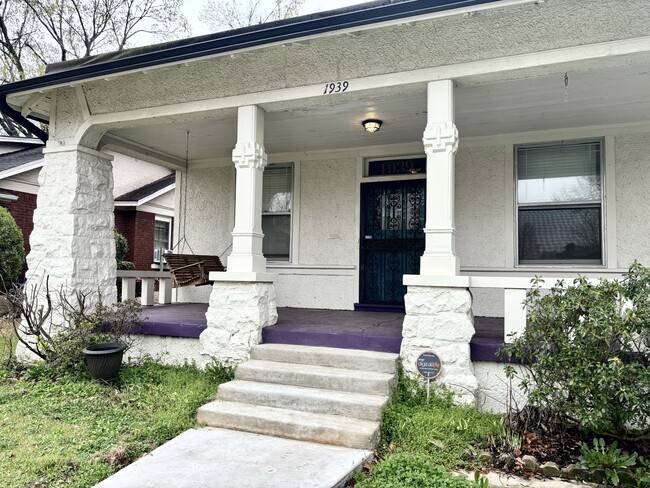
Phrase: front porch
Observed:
(370, 331)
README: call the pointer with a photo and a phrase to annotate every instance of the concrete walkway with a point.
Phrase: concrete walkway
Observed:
(220, 458)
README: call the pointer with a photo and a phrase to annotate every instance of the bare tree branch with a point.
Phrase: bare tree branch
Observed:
(235, 14)
(34, 33)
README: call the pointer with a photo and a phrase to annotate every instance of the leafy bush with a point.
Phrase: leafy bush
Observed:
(585, 353)
(402, 470)
(12, 249)
(121, 248)
(610, 459)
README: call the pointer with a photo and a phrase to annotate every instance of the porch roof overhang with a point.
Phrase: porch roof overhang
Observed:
(367, 14)
(145, 194)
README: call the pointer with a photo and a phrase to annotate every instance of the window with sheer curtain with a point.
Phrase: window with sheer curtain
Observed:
(277, 199)
(559, 203)
(161, 237)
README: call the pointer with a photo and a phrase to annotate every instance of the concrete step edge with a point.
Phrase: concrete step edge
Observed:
(306, 399)
(316, 377)
(323, 428)
(327, 356)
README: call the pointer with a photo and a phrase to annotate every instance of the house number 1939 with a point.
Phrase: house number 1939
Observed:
(337, 87)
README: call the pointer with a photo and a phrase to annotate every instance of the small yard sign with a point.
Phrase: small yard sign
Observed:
(429, 365)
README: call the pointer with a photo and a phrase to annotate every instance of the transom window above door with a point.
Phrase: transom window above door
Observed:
(559, 203)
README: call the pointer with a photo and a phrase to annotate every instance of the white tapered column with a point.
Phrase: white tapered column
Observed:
(440, 145)
(438, 303)
(242, 301)
(250, 159)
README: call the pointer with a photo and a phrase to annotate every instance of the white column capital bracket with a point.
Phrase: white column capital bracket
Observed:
(249, 155)
(440, 137)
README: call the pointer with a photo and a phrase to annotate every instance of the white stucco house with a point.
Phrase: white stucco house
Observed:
(514, 141)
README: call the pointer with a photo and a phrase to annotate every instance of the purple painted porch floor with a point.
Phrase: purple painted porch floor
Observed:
(373, 331)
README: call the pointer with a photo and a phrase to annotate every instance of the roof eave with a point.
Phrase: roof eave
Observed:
(300, 27)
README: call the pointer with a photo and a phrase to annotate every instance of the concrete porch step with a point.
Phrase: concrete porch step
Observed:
(381, 362)
(291, 424)
(314, 400)
(314, 376)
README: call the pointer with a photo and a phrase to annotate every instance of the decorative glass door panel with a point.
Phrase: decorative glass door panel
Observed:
(392, 238)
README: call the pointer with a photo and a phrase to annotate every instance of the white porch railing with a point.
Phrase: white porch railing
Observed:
(148, 279)
(514, 294)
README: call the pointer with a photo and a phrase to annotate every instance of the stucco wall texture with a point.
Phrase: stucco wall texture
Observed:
(632, 190)
(205, 223)
(327, 195)
(480, 207)
(328, 227)
(530, 27)
(130, 173)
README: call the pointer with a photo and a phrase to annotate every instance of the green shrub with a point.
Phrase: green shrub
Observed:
(121, 248)
(12, 249)
(404, 470)
(585, 353)
(610, 459)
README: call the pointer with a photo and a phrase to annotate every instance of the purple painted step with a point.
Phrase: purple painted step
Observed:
(370, 331)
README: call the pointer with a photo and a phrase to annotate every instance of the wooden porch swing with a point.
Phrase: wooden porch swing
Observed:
(190, 269)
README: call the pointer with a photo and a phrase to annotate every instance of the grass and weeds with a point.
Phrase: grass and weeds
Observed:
(7, 341)
(423, 439)
(73, 431)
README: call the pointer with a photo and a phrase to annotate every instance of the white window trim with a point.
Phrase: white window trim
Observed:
(169, 220)
(292, 217)
(604, 207)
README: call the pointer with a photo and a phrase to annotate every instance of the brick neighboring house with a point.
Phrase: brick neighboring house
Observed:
(143, 218)
(144, 198)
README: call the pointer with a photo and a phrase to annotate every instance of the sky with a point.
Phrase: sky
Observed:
(191, 10)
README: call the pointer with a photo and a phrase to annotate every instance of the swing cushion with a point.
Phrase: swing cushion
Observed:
(192, 269)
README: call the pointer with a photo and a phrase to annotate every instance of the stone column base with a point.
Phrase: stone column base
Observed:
(440, 320)
(236, 315)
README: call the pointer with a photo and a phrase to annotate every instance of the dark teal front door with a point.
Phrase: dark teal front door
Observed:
(392, 238)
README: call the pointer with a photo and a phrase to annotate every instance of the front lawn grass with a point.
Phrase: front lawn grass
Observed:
(72, 431)
(423, 439)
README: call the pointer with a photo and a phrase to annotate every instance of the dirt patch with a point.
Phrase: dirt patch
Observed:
(560, 447)
(6, 326)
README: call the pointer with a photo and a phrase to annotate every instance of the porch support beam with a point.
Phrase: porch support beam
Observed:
(242, 301)
(250, 160)
(440, 145)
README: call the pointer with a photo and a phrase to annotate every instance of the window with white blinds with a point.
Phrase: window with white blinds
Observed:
(161, 237)
(559, 203)
(277, 197)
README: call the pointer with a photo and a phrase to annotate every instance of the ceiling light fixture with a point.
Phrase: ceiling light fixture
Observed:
(371, 125)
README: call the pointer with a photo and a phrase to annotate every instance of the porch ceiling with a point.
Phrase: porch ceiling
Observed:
(593, 98)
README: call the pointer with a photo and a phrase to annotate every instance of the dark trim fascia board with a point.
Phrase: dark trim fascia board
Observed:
(247, 38)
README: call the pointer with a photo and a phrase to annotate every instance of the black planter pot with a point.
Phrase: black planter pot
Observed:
(104, 360)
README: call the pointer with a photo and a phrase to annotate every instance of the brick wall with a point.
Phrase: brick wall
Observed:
(138, 228)
(125, 225)
(22, 210)
(143, 240)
